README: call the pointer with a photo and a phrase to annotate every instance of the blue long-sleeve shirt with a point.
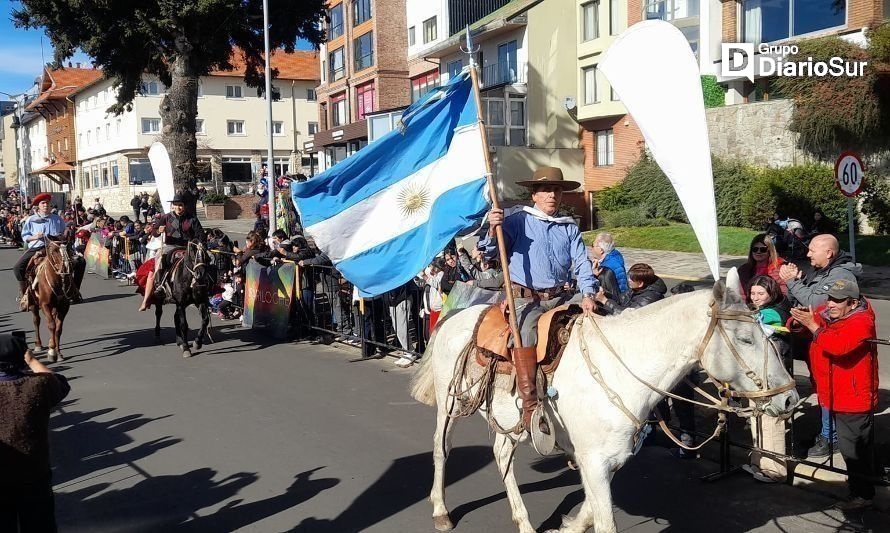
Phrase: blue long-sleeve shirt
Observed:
(543, 254)
(51, 225)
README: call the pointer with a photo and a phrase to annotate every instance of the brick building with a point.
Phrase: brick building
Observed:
(364, 69)
(55, 156)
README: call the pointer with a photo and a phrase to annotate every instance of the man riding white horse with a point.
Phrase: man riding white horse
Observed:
(179, 227)
(37, 228)
(546, 253)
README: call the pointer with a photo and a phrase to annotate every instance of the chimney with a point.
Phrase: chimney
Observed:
(69, 64)
(78, 65)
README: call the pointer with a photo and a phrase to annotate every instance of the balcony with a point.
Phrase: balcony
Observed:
(503, 73)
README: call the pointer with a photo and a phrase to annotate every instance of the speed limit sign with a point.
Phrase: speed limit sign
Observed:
(848, 174)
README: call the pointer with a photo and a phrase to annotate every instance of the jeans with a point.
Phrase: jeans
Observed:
(829, 428)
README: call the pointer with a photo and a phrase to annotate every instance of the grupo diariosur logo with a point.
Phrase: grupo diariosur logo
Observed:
(739, 59)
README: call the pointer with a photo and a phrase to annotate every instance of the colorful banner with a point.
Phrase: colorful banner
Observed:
(268, 295)
(91, 254)
(102, 263)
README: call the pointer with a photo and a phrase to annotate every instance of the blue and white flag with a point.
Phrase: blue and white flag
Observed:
(384, 213)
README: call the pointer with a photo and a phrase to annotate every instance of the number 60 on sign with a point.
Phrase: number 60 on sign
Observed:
(848, 174)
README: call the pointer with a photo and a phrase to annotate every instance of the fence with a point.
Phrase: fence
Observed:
(327, 305)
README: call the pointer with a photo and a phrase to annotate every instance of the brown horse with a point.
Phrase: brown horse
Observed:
(52, 287)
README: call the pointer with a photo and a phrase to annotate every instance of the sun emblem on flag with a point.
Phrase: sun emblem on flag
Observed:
(413, 198)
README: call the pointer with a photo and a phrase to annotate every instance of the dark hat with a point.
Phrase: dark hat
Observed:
(12, 349)
(42, 197)
(843, 289)
(550, 176)
(178, 198)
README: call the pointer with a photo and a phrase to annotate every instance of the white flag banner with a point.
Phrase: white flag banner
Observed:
(654, 72)
(163, 171)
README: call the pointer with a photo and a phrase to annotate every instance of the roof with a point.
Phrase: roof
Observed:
(63, 82)
(299, 65)
(493, 21)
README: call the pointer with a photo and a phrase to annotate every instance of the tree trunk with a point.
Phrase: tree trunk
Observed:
(179, 109)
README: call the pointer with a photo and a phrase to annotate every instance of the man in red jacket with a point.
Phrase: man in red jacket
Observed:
(845, 368)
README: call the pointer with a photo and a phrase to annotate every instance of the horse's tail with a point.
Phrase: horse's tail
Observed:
(423, 384)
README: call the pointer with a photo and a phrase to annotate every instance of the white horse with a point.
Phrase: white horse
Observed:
(660, 344)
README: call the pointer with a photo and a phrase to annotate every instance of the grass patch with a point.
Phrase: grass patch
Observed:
(677, 238)
(870, 249)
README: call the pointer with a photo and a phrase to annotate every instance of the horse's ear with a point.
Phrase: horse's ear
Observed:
(733, 283)
(719, 291)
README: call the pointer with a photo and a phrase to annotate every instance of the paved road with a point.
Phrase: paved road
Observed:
(259, 437)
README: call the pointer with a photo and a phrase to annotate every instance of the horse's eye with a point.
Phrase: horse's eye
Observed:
(746, 340)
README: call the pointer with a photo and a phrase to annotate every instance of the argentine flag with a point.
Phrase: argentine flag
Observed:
(384, 213)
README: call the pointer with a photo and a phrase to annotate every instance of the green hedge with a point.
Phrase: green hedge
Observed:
(713, 93)
(745, 196)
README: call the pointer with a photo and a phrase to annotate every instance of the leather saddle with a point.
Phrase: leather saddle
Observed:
(492, 337)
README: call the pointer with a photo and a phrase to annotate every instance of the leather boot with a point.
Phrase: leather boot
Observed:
(525, 360)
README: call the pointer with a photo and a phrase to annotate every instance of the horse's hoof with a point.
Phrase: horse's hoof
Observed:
(186, 354)
(52, 356)
(38, 350)
(443, 523)
(198, 346)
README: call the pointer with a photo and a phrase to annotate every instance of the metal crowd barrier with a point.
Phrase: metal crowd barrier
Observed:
(325, 303)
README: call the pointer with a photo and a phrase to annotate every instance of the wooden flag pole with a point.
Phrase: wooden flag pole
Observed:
(492, 191)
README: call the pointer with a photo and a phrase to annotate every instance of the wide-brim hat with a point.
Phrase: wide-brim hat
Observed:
(550, 176)
(178, 199)
(42, 197)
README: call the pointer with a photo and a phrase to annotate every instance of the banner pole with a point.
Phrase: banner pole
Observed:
(492, 191)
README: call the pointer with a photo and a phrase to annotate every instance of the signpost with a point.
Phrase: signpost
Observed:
(850, 179)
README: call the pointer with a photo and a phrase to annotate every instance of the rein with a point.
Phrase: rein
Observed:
(62, 271)
(721, 405)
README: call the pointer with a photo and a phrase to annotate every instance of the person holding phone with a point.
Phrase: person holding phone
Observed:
(28, 392)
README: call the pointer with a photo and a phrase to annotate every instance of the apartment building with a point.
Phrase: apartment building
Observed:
(48, 129)
(364, 70)
(231, 130)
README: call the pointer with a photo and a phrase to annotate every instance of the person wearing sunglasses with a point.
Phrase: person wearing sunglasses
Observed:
(762, 261)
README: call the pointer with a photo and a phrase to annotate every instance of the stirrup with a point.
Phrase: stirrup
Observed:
(543, 441)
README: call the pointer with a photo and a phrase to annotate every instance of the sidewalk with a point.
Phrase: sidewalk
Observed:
(875, 281)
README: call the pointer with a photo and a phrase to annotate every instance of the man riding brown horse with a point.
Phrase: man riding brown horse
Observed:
(36, 231)
(179, 228)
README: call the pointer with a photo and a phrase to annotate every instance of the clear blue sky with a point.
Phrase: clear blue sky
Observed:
(21, 59)
(20, 53)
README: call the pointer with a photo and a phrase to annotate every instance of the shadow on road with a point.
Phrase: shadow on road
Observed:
(406, 482)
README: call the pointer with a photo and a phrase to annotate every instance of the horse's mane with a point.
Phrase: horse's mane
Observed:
(644, 314)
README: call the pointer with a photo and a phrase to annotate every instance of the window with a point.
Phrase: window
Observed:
(199, 127)
(313, 128)
(363, 51)
(430, 30)
(361, 11)
(614, 17)
(149, 125)
(364, 97)
(96, 178)
(590, 21)
(86, 178)
(338, 110)
(237, 169)
(335, 27)
(107, 131)
(765, 22)
(507, 67)
(140, 171)
(424, 84)
(278, 128)
(505, 120)
(591, 95)
(380, 125)
(200, 89)
(411, 36)
(89, 137)
(605, 148)
(310, 95)
(105, 180)
(323, 70)
(115, 174)
(235, 127)
(152, 88)
(80, 140)
(336, 61)
(234, 91)
(679, 9)
(454, 67)
(117, 127)
(613, 94)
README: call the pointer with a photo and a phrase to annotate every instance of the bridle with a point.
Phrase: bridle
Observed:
(200, 261)
(63, 271)
(722, 404)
